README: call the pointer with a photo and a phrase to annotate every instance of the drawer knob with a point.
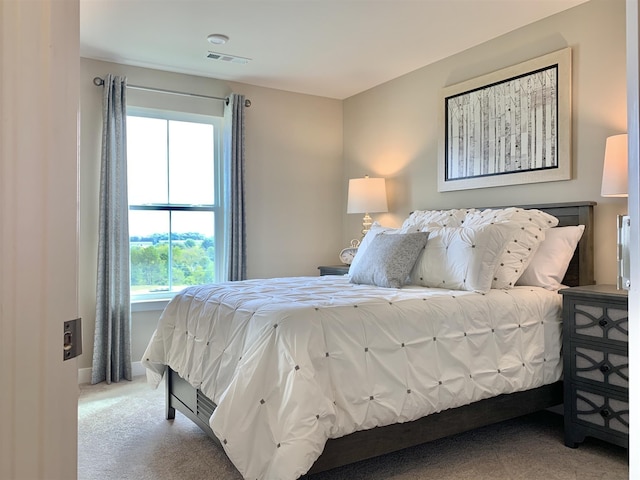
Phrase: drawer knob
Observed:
(603, 323)
(605, 412)
(605, 368)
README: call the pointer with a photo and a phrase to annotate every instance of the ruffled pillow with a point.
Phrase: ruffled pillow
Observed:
(461, 258)
(526, 238)
(420, 219)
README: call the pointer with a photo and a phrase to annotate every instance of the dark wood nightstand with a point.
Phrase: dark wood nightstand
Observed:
(596, 364)
(333, 269)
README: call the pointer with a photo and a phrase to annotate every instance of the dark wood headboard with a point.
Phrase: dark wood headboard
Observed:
(580, 271)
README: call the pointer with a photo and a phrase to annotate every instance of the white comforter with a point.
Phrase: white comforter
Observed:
(292, 362)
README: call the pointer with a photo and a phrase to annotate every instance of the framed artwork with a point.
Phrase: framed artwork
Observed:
(508, 127)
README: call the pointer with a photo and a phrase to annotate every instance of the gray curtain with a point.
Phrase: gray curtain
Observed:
(112, 340)
(235, 231)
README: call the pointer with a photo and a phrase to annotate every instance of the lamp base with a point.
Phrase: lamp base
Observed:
(623, 255)
(367, 221)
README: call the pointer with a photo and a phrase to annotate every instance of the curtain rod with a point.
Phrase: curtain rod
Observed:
(98, 82)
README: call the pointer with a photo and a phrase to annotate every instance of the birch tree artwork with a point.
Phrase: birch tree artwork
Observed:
(506, 127)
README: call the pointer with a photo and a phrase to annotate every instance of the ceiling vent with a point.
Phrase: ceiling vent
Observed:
(225, 57)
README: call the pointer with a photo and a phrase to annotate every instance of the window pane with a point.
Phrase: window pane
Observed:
(147, 160)
(149, 244)
(172, 161)
(191, 163)
(193, 249)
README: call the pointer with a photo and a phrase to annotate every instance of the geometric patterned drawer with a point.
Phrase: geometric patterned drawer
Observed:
(601, 322)
(602, 411)
(596, 364)
(608, 368)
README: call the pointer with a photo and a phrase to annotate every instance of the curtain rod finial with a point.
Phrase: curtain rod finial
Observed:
(97, 81)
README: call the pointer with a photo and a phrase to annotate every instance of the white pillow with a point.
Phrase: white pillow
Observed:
(550, 262)
(494, 215)
(388, 259)
(461, 258)
(374, 230)
(444, 218)
(532, 225)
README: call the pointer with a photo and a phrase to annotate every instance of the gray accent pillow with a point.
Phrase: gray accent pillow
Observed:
(389, 259)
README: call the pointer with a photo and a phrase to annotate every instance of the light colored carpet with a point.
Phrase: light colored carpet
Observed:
(123, 434)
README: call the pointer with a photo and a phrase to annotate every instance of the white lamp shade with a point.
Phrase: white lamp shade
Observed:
(367, 195)
(614, 173)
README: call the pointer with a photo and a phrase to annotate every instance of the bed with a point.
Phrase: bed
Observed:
(281, 414)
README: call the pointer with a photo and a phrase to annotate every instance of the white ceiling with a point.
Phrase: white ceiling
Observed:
(330, 48)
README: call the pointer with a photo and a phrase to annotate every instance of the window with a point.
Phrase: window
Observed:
(175, 216)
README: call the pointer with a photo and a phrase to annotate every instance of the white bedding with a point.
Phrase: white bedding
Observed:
(291, 362)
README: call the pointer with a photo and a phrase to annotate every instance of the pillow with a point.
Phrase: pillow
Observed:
(375, 229)
(388, 260)
(513, 214)
(444, 218)
(461, 258)
(550, 262)
(532, 225)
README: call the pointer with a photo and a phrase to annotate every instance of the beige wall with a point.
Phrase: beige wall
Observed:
(293, 178)
(392, 130)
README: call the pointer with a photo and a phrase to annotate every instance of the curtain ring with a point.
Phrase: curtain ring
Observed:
(247, 102)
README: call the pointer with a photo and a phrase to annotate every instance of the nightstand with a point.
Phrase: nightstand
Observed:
(333, 269)
(596, 365)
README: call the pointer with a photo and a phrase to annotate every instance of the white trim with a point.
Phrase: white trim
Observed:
(149, 305)
(217, 208)
(633, 128)
(84, 374)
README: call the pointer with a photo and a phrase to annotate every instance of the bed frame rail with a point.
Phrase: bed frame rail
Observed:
(191, 402)
(371, 443)
(367, 444)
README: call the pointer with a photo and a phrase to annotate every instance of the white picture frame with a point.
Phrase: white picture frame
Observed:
(509, 127)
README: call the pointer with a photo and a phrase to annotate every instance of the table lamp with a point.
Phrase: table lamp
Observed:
(367, 195)
(615, 184)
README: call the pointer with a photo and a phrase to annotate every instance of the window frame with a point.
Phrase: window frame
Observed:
(217, 207)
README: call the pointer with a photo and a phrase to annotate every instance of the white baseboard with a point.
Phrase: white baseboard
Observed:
(84, 374)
